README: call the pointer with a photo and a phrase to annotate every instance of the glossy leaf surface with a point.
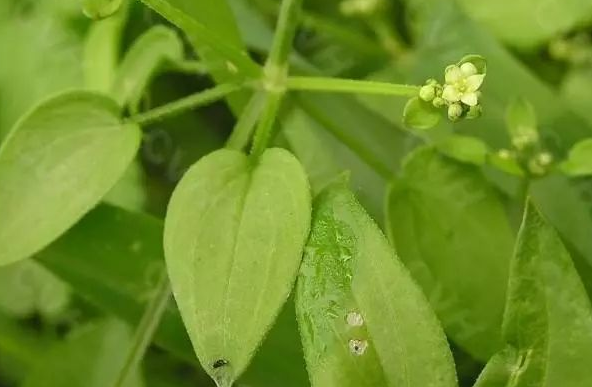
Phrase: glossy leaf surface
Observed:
(363, 320)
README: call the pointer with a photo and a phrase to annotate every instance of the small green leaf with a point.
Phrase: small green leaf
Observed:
(450, 228)
(579, 160)
(479, 61)
(57, 164)
(505, 162)
(363, 320)
(100, 9)
(420, 115)
(233, 240)
(147, 55)
(90, 356)
(548, 318)
(464, 148)
(521, 122)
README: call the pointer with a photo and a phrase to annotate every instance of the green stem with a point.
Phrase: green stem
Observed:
(266, 122)
(182, 105)
(334, 85)
(246, 123)
(145, 331)
(276, 72)
(285, 32)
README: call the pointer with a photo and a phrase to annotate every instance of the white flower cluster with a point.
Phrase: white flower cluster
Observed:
(460, 93)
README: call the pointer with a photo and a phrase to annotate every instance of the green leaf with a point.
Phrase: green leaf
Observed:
(363, 320)
(450, 228)
(529, 23)
(150, 51)
(233, 246)
(100, 9)
(548, 318)
(27, 287)
(420, 115)
(120, 278)
(464, 148)
(46, 63)
(56, 164)
(579, 160)
(90, 356)
(521, 120)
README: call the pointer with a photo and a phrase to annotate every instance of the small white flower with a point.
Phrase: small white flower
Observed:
(462, 84)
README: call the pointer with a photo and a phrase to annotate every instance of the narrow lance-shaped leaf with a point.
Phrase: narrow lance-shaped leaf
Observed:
(363, 320)
(548, 318)
(451, 230)
(234, 235)
(57, 164)
(147, 55)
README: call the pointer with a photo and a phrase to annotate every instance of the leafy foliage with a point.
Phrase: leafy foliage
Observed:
(204, 148)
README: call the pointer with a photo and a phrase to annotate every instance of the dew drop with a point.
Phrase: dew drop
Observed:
(354, 319)
(358, 347)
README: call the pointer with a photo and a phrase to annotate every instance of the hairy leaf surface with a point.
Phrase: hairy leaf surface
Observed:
(234, 235)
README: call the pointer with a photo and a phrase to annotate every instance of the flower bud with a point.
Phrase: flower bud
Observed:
(427, 93)
(455, 111)
(439, 102)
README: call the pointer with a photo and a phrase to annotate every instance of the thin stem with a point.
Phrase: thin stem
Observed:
(285, 32)
(246, 123)
(145, 331)
(334, 85)
(182, 105)
(276, 72)
(266, 122)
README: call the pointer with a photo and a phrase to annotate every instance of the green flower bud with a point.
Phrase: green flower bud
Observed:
(545, 159)
(439, 102)
(455, 111)
(427, 93)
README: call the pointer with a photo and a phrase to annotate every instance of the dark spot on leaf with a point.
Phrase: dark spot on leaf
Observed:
(219, 363)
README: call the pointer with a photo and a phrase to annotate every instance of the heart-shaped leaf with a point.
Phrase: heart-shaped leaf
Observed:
(234, 235)
(548, 318)
(57, 164)
(363, 320)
